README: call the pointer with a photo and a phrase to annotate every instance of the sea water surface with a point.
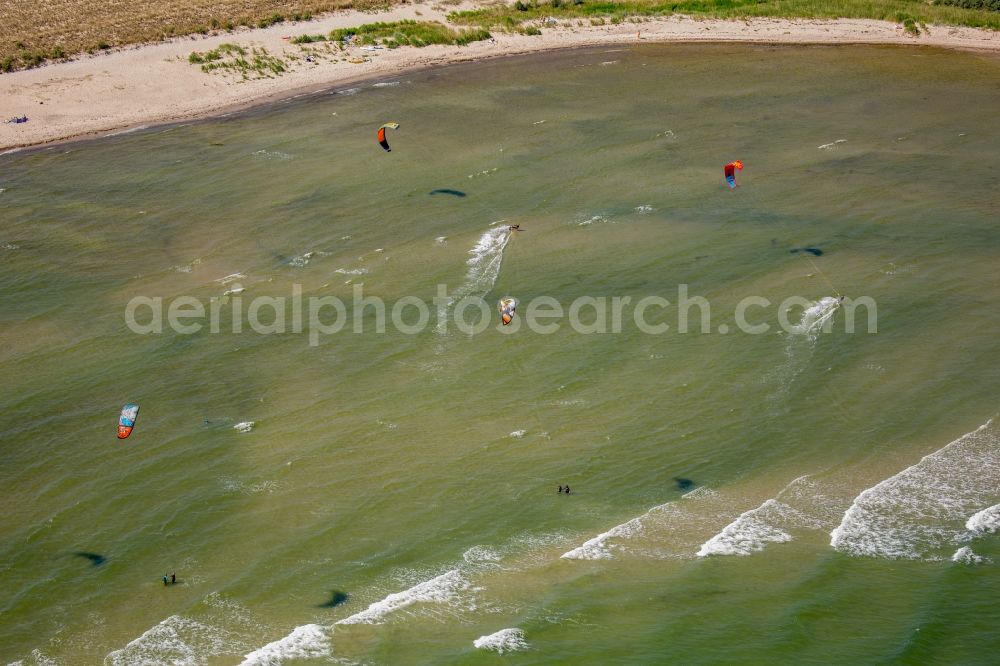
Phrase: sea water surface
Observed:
(806, 496)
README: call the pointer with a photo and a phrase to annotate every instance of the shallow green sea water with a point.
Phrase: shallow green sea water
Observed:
(737, 498)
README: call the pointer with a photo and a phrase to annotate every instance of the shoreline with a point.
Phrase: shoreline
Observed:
(153, 85)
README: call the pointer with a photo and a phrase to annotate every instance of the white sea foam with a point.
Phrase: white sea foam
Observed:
(231, 484)
(352, 271)
(481, 554)
(9, 246)
(749, 533)
(243, 426)
(444, 589)
(301, 260)
(518, 434)
(924, 507)
(692, 509)
(799, 505)
(985, 521)
(273, 155)
(828, 146)
(644, 209)
(177, 641)
(484, 172)
(349, 91)
(964, 555)
(599, 548)
(36, 658)
(505, 640)
(385, 84)
(309, 641)
(592, 220)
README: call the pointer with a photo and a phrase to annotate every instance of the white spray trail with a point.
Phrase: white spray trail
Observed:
(484, 269)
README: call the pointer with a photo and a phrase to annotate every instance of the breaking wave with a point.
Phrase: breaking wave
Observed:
(924, 507)
(676, 518)
(505, 640)
(985, 521)
(177, 641)
(964, 555)
(750, 532)
(310, 641)
(448, 589)
(799, 505)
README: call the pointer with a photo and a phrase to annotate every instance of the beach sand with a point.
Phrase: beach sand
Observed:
(148, 84)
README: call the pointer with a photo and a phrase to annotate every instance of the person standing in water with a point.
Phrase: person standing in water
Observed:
(567, 490)
(165, 583)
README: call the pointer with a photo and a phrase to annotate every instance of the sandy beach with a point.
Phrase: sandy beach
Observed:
(155, 83)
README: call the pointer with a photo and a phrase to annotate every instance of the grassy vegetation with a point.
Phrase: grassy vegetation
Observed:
(992, 5)
(910, 13)
(408, 33)
(34, 32)
(308, 39)
(257, 64)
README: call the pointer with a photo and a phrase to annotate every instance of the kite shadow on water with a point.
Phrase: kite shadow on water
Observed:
(814, 251)
(445, 190)
(95, 558)
(683, 484)
(337, 598)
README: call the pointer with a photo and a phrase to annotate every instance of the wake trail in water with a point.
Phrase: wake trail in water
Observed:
(800, 344)
(818, 317)
(941, 500)
(484, 269)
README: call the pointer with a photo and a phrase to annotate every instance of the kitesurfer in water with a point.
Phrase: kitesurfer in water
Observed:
(514, 227)
(560, 488)
(567, 490)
